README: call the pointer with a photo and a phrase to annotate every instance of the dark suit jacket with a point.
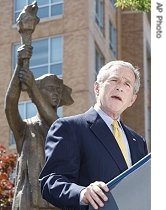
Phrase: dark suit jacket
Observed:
(79, 150)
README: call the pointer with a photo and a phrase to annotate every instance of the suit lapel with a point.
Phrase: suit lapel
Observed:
(105, 136)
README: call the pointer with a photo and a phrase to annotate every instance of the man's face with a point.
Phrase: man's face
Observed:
(115, 94)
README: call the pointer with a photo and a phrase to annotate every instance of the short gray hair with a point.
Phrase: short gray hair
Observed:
(104, 73)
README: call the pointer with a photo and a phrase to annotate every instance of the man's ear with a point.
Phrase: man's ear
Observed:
(133, 99)
(96, 88)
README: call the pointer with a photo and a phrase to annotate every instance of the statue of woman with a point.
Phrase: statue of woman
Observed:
(48, 93)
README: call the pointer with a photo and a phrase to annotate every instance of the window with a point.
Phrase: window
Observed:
(47, 56)
(27, 109)
(46, 9)
(113, 41)
(100, 14)
(99, 60)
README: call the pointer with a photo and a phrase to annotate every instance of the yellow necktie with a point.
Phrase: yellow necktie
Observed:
(119, 138)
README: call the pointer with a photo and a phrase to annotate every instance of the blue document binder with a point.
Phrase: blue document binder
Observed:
(131, 190)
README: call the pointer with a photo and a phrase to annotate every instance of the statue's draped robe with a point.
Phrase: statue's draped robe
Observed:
(30, 162)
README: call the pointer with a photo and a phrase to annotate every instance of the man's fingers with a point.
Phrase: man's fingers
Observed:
(102, 185)
(95, 194)
(99, 189)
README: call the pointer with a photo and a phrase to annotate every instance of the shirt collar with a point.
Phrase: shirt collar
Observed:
(107, 119)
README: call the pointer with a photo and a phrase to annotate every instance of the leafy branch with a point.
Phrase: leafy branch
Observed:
(136, 5)
(7, 166)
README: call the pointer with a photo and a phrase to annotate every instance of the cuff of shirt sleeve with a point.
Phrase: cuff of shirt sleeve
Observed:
(81, 197)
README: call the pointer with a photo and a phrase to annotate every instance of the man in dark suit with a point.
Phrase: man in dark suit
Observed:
(82, 154)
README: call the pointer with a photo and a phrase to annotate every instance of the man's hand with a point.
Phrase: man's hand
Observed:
(94, 194)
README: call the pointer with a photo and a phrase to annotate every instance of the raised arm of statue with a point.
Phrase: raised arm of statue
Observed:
(15, 121)
(47, 92)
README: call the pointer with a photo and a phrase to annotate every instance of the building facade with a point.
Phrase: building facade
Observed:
(73, 40)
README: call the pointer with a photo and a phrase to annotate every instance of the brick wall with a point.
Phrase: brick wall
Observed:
(80, 36)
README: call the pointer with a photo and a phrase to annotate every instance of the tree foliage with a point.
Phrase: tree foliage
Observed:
(137, 5)
(7, 165)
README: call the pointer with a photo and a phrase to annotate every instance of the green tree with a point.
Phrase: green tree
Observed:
(7, 165)
(137, 5)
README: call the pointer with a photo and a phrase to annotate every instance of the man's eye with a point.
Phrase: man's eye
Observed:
(128, 84)
(114, 80)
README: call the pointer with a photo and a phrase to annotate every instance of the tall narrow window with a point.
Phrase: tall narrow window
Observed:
(100, 14)
(113, 39)
(99, 60)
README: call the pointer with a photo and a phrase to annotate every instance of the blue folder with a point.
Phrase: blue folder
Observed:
(131, 190)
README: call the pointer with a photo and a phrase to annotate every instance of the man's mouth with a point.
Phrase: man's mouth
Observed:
(117, 97)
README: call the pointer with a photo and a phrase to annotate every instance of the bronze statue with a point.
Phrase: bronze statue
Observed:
(47, 93)
(26, 23)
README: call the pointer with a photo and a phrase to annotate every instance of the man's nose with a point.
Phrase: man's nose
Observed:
(119, 87)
